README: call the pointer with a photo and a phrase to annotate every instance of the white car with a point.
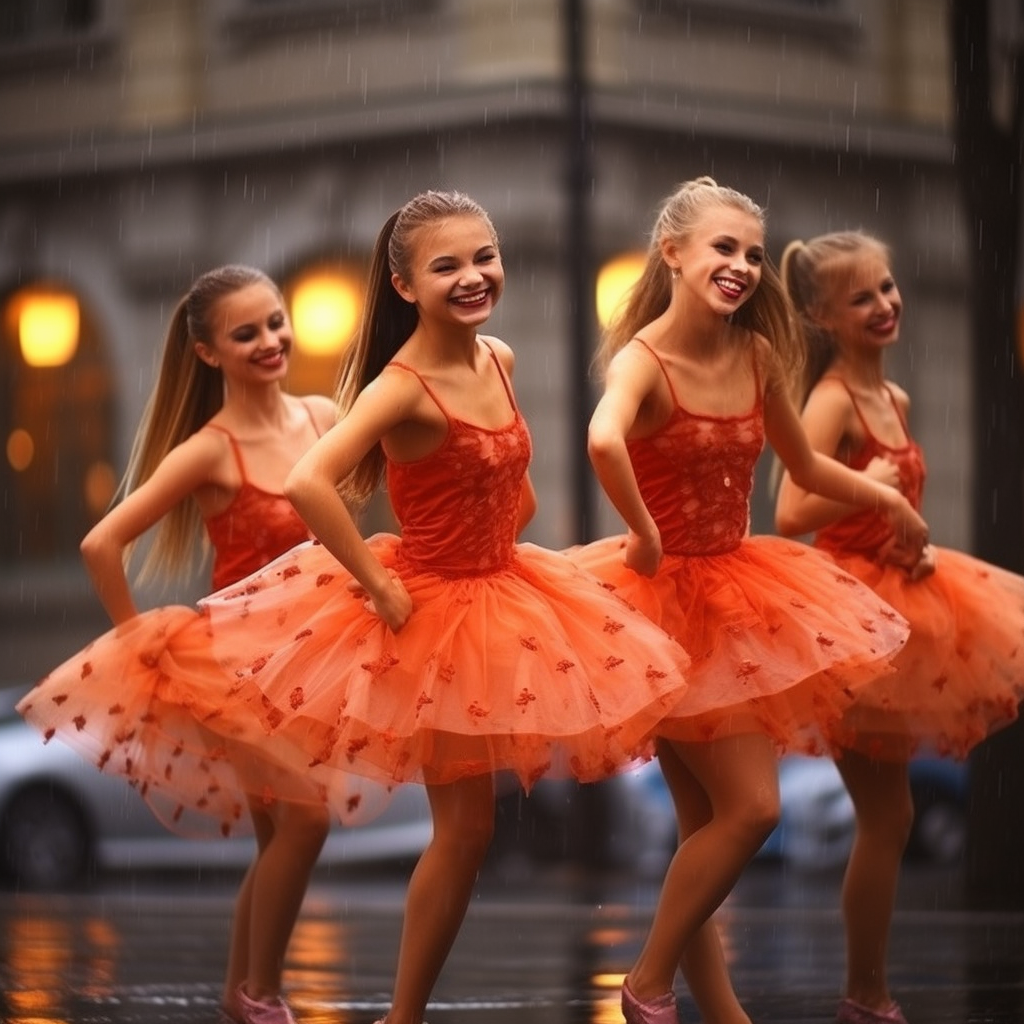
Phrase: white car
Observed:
(61, 819)
(816, 821)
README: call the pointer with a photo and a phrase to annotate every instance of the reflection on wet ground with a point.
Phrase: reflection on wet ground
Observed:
(547, 946)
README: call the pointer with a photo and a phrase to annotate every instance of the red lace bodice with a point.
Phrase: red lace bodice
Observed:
(696, 474)
(253, 530)
(459, 506)
(864, 533)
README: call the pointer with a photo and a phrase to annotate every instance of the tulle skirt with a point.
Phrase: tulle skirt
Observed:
(535, 669)
(781, 639)
(147, 701)
(960, 675)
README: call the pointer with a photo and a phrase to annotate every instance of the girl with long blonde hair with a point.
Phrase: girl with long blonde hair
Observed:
(696, 372)
(961, 674)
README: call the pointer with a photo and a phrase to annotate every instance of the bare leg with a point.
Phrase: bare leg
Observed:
(440, 890)
(739, 776)
(238, 950)
(884, 807)
(703, 962)
(289, 838)
(707, 977)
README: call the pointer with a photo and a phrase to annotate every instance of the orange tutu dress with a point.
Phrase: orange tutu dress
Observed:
(780, 638)
(961, 674)
(148, 702)
(513, 659)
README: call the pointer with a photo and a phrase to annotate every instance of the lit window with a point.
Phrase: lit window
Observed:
(56, 422)
(325, 302)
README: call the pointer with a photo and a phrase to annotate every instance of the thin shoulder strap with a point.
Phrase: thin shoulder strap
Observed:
(661, 366)
(504, 377)
(853, 402)
(899, 412)
(312, 418)
(758, 388)
(234, 448)
(426, 387)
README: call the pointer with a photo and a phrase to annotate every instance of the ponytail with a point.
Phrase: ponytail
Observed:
(389, 320)
(187, 394)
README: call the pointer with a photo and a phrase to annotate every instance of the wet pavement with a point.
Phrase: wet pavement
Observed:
(547, 946)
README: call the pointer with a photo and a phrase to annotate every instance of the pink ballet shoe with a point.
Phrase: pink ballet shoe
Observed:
(853, 1013)
(659, 1010)
(263, 1011)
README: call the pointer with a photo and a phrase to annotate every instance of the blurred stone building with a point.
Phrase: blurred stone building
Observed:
(143, 141)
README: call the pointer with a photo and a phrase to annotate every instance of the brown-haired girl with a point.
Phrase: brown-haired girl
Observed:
(452, 651)
(696, 370)
(961, 674)
(209, 461)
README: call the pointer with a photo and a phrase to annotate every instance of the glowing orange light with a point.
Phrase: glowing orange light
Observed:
(21, 449)
(614, 280)
(325, 310)
(100, 484)
(48, 326)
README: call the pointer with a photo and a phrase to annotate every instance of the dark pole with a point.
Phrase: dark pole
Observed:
(588, 825)
(989, 161)
(579, 181)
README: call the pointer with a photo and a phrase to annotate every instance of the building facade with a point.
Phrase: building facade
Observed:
(143, 141)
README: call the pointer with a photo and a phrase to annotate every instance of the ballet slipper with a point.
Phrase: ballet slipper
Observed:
(263, 1011)
(659, 1010)
(854, 1013)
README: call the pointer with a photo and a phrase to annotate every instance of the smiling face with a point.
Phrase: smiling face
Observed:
(860, 304)
(719, 262)
(455, 274)
(251, 335)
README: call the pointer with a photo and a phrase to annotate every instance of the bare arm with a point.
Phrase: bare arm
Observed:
(630, 378)
(825, 421)
(813, 472)
(185, 468)
(312, 488)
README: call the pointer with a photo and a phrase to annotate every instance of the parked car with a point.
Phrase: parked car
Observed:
(816, 824)
(62, 820)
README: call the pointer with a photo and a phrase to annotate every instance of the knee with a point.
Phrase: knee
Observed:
(478, 836)
(901, 818)
(886, 823)
(753, 820)
(763, 815)
(308, 824)
(467, 838)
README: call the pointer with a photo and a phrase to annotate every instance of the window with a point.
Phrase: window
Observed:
(57, 31)
(833, 20)
(245, 18)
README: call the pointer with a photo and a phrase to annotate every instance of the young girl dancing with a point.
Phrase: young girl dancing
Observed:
(217, 441)
(452, 651)
(961, 674)
(695, 377)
